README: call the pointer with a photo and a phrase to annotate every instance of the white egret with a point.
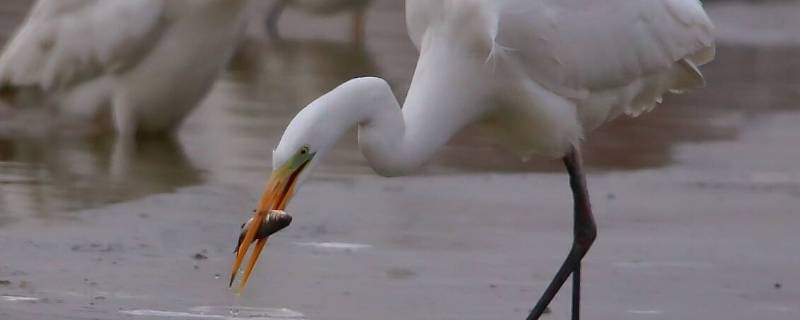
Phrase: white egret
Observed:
(321, 7)
(540, 74)
(148, 62)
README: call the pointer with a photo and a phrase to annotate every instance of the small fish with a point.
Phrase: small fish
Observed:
(275, 221)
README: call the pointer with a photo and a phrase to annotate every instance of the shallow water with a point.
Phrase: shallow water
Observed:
(696, 203)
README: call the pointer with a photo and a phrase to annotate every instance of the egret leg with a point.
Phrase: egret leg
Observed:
(585, 232)
(359, 21)
(124, 118)
(122, 157)
(274, 16)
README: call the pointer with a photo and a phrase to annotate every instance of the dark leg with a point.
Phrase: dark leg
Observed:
(273, 18)
(576, 292)
(584, 235)
(358, 32)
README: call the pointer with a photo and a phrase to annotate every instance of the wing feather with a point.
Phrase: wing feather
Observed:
(65, 41)
(574, 47)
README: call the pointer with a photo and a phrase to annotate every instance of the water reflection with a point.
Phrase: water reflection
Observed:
(47, 177)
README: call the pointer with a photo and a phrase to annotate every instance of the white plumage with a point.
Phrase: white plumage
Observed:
(148, 61)
(576, 63)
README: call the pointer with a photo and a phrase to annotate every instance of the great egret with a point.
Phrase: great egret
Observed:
(320, 7)
(541, 74)
(149, 61)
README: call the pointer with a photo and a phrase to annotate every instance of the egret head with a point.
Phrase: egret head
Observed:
(287, 174)
(303, 144)
(292, 162)
(309, 136)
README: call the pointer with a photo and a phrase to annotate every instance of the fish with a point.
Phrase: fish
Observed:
(275, 221)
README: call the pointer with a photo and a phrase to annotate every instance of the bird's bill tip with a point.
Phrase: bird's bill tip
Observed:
(260, 244)
(245, 239)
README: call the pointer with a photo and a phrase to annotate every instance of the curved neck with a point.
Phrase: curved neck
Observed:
(441, 101)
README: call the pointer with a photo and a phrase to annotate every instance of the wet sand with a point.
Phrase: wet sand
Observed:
(696, 204)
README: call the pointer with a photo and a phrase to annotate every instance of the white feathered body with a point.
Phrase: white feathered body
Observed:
(541, 73)
(149, 61)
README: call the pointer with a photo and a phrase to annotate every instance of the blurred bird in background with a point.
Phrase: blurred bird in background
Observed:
(139, 66)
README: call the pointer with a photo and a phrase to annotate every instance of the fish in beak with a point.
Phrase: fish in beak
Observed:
(269, 217)
(276, 221)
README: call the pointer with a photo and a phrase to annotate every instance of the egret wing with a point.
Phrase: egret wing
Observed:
(573, 47)
(63, 42)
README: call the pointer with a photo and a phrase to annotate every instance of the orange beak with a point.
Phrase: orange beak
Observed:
(277, 194)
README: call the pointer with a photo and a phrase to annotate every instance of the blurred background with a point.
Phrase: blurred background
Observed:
(696, 201)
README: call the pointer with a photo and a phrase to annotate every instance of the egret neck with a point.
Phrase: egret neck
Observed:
(440, 102)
